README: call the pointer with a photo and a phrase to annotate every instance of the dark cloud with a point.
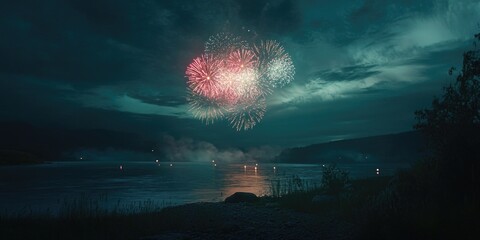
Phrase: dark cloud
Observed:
(347, 73)
(362, 68)
(52, 40)
(162, 100)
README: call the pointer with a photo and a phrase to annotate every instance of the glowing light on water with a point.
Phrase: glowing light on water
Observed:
(121, 167)
(171, 165)
(156, 161)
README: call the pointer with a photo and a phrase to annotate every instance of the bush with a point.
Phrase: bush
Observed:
(452, 129)
(334, 180)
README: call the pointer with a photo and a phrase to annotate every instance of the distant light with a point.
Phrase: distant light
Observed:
(255, 168)
(323, 165)
(245, 166)
(152, 150)
(213, 161)
(156, 160)
(81, 158)
(378, 169)
(215, 165)
(121, 167)
(256, 164)
(171, 165)
(274, 168)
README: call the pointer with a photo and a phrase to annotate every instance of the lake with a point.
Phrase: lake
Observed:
(47, 186)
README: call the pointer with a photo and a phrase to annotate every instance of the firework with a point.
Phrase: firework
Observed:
(274, 63)
(241, 59)
(267, 51)
(223, 43)
(202, 75)
(243, 82)
(231, 80)
(205, 109)
(247, 114)
(280, 71)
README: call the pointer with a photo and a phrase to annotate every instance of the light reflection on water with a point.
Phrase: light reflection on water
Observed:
(46, 186)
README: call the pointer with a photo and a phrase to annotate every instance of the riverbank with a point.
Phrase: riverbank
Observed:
(292, 216)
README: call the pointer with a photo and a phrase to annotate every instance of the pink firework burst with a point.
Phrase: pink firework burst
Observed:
(241, 59)
(202, 75)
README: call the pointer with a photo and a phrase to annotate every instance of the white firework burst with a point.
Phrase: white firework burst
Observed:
(280, 71)
(242, 82)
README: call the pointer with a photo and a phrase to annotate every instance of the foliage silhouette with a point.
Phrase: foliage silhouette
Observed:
(452, 129)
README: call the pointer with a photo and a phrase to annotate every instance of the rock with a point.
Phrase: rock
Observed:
(241, 197)
(322, 198)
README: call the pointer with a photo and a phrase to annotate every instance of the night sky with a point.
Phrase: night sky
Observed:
(362, 67)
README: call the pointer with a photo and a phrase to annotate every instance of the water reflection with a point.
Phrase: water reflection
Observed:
(43, 186)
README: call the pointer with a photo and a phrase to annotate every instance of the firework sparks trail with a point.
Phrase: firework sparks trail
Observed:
(205, 109)
(231, 80)
(223, 43)
(267, 51)
(246, 115)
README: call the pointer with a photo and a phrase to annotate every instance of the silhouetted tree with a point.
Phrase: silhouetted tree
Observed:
(452, 129)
